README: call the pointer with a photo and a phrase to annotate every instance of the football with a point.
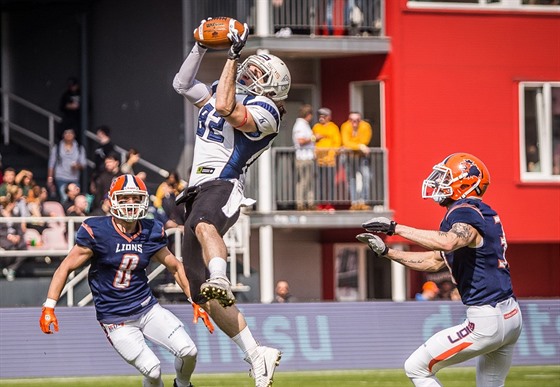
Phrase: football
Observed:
(213, 33)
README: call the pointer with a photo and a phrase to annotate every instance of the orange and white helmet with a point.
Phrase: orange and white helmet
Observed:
(122, 207)
(459, 176)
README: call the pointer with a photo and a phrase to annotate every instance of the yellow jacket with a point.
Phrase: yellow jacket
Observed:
(329, 143)
(351, 140)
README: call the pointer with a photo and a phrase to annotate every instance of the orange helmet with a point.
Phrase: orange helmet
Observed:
(459, 176)
(122, 189)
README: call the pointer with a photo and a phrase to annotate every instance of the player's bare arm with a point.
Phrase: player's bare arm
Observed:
(175, 267)
(460, 235)
(430, 261)
(236, 114)
(76, 258)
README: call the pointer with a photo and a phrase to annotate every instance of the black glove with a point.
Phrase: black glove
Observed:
(237, 41)
(380, 225)
(375, 243)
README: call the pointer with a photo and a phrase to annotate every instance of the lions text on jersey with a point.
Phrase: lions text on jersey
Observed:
(117, 276)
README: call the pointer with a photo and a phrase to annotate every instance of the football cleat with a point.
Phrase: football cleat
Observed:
(175, 383)
(219, 289)
(263, 362)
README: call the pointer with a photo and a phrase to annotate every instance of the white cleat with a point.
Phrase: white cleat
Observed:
(219, 289)
(263, 362)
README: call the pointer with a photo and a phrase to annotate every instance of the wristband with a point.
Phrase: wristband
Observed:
(50, 303)
(244, 120)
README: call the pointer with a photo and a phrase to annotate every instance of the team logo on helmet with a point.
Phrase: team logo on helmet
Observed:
(470, 169)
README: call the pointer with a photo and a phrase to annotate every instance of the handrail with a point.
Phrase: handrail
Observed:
(7, 124)
(160, 171)
(237, 242)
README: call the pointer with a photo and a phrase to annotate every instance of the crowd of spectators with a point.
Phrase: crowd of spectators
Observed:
(62, 194)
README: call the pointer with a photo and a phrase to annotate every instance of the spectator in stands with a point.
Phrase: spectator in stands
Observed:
(105, 148)
(70, 107)
(356, 135)
(9, 181)
(72, 190)
(24, 179)
(304, 142)
(430, 291)
(11, 237)
(283, 293)
(67, 160)
(328, 142)
(37, 196)
(171, 186)
(20, 207)
(132, 157)
(104, 209)
(80, 207)
(102, 183)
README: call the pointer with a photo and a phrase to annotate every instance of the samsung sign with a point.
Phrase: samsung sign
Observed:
(312, 336)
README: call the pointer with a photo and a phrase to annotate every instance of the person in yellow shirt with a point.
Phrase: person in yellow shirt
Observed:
(328, 142)
(356, 135)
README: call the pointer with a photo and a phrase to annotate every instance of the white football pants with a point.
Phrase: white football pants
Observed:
(163, 328)
(488, 332)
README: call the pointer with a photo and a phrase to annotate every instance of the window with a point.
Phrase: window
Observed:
(539, 105)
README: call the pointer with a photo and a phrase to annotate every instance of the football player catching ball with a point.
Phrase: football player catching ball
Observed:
(238, 118)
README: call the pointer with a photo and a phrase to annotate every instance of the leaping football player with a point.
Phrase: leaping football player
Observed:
(238, 119)
(119, 248)
(471, 243)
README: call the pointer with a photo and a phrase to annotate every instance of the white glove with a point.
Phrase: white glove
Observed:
(380, 225)
(237, 41)
(375, 243)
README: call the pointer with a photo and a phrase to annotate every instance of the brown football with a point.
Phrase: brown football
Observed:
(213, 33)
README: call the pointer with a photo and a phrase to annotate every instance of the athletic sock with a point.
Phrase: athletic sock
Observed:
(245, 340)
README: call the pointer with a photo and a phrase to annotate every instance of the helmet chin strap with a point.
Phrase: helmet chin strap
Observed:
(471, 189)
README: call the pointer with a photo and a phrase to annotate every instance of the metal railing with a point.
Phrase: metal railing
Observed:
(236, 240)
(301, 17)
(332, 182)
(9, 101)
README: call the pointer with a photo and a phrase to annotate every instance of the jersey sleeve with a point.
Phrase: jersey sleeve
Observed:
(265, 114)
(469, 214)
(158, 235)
(85, 236)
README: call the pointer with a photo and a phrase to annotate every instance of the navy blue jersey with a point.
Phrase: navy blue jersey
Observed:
(117, 276)
(481, 273)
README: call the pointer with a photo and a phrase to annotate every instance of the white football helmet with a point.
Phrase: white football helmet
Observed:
(274, 82)
(122, 207)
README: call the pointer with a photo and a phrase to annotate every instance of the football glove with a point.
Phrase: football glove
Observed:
(198, 312)
(237, 41)
(380, 225)
(375, 243)
(202, 22)
(47, 318)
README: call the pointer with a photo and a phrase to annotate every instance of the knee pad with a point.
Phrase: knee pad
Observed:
(188, 352)
(154, 373)
(414, 367)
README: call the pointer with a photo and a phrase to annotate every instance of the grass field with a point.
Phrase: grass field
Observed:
(535, 376)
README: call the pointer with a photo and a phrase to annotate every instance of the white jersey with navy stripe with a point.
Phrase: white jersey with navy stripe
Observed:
(223, 152)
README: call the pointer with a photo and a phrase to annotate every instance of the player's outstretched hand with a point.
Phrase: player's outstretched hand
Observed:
(47, 318)
(237, 41)
(375, 243)
(198, 312)
(380, 225)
